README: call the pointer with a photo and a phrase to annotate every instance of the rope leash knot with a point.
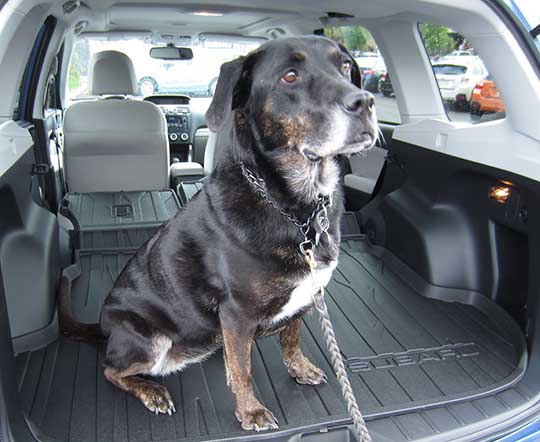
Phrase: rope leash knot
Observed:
(359, 424)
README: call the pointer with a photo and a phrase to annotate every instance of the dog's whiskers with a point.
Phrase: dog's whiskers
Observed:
(380, 137)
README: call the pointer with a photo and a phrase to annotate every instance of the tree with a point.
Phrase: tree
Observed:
(81, 57)
(79, 64)
(437, 39)
(354, 38)
(333, 32)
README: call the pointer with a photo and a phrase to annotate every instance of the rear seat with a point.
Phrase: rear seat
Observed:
(115, 143)
(365, 172)
(116, 220)
(187, 187)
(116, 162)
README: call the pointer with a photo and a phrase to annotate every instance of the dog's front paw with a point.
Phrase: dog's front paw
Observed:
(156, 398)
(305, 372)
(258, 419)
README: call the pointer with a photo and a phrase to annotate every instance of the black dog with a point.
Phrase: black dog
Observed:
(228, 267)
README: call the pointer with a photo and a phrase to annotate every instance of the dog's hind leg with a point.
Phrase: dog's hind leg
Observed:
(299, 367)
(238, 340)
(130, 354)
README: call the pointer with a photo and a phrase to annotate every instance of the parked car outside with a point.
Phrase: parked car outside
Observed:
(366, 61)
(194, 79)
(385, 85)
(485, 98)
(457, 77)
(371, 75)
(461, 54)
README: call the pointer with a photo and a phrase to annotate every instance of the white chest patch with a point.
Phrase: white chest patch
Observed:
(302, 295)
(161, 346)
(165, 362)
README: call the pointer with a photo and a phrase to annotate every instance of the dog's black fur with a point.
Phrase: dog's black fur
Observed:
(219, 272)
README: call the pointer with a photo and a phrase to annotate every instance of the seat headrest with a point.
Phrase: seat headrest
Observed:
(112, 73)
(217, 144)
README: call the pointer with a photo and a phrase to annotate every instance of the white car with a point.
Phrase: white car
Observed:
(458, 77)
(461, 53)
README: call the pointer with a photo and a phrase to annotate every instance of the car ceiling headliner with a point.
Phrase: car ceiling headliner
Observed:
(261, 17)
(247, 17)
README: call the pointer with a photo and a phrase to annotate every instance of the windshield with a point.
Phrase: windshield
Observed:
(449, 69)
(195, 78)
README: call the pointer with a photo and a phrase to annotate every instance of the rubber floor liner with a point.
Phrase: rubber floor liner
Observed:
(404, 352)
(117, 219)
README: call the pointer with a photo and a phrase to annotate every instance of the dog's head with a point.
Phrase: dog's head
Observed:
(302, 102)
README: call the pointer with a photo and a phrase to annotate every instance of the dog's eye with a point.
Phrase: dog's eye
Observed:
(290, 77)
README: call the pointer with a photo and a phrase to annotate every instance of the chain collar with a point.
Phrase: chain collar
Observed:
(318, 219)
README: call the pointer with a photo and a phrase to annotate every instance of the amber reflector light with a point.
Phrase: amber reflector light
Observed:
(499, 193)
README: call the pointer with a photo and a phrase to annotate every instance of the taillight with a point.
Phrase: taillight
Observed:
(479, 86)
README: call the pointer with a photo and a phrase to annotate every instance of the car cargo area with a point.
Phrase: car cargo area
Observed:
(407, 349)
(261, 123)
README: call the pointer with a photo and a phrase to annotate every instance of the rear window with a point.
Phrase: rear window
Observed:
(449, 69)
(461, 75)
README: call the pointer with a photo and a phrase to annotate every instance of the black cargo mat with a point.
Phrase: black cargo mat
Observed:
(404, 351)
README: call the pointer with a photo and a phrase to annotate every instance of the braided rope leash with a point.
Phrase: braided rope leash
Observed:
(360, 427)
(318, 220)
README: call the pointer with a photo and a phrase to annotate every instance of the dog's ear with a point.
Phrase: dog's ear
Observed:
(221, 105)
(232, 90)
(356, 76)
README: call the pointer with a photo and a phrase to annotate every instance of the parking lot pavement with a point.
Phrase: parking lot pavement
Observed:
(387, 110)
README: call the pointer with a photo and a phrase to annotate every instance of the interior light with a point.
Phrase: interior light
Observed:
(500, 193)
(207, 14)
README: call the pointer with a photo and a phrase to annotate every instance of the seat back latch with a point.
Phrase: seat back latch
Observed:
(40, 169)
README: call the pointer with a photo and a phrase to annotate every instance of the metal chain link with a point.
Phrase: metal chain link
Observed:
(258, 184)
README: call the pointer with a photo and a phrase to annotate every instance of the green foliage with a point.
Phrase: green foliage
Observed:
(437, 39)
(79, 60)
(352, 37)
(79, 64)
(74, 79)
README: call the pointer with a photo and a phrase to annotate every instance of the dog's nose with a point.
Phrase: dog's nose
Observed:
(360, 101)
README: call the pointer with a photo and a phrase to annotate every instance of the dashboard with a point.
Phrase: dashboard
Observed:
(178, 122)
(181, 124)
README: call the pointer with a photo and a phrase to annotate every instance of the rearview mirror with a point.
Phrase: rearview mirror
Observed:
(171, 53)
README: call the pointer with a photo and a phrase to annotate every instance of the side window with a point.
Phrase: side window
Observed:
(467, 89)
(78, 70)
(50, 101)
(375, 78)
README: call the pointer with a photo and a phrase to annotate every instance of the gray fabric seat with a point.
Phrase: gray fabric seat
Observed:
(192, 170)
(115, 143)
(365, 170)
(189, 171)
